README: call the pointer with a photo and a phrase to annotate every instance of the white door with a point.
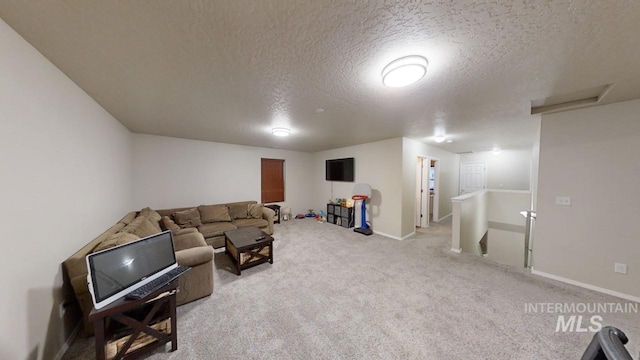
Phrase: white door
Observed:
(473, 177)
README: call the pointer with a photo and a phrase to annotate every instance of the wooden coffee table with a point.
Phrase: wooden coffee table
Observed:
(245, 250)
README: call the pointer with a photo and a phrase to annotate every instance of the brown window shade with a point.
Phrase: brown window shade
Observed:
(272, 180)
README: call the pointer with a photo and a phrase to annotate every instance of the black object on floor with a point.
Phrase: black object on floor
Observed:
(608, 344)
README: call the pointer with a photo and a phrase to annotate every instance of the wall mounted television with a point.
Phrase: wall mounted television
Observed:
(340, 169)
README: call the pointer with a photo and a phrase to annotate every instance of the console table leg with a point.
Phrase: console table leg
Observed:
(98, 327)
(174, 323)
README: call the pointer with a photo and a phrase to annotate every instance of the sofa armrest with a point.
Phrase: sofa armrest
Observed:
(188, 241)
(185, 231)
(268, 215)
(195, 256)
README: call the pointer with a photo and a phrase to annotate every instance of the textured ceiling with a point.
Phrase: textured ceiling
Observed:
(229, 71)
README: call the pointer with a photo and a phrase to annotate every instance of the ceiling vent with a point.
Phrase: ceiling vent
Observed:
(570, 101)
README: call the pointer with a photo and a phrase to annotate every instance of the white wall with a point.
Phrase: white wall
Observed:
(65, 179)
(590, 155)
(469, 223)
(449, 178)
(171, 172)
(505, 242)
(504, 206)
(535, 169)
(510, 170)
(378, 164)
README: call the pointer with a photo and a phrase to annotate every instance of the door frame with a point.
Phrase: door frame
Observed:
(421, 198)
(436, 189)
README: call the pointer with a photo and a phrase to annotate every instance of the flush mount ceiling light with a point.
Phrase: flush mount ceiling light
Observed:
(439, 139)
(404, 71)
(496, 151)
(281, 131)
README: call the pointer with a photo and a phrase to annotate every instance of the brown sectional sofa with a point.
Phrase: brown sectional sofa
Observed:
(192, 238)
(216, 219)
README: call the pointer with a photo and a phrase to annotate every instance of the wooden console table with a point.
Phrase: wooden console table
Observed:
(137, 337)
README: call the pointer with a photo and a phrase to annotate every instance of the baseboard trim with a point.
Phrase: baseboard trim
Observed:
(408, 236)
(394, 237)
(68, 342)
(444, 217)
(586, 286)
(457, 251)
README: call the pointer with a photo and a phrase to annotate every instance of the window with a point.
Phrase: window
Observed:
(272, 180)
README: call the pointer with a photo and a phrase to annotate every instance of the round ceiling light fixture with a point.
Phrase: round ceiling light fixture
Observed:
(439, 139)
(281, 131)
(496, 151)
(404, 71)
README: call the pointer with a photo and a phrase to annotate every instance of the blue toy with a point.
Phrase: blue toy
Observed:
(362, 193)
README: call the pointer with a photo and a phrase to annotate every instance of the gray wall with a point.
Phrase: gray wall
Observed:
(66, 177)
(449, 178)
(378, 164)
(509, 170)
(590, 155)
(171, 172)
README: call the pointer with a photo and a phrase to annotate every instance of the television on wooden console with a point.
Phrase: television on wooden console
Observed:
(340, 169)
(117, 271)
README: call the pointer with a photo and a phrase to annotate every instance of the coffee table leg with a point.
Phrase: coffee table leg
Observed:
(238, 262)
(271, 253)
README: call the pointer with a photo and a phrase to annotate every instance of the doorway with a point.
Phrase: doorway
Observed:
(434, 183)
(427, 183)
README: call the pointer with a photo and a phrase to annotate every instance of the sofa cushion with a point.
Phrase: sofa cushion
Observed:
(215, 229)
(238, 211)
(213, 213)
(115, 240)
(154, 216)
(187, 218)
(168, 224)
(255, 211)
(145, 228)
(259, 223)
(185, 231)
(134, 224)
(127, 219)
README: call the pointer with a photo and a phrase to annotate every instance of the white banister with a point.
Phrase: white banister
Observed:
(495, 213)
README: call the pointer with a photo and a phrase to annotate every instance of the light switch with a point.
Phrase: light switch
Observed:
(563, 200)
(620, 268)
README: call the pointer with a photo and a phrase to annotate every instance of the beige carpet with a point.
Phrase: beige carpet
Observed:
(335, 294)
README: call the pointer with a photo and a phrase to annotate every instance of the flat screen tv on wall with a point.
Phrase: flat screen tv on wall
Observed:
(340, 170)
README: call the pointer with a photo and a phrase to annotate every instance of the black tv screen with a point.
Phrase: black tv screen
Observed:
(340, 169)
